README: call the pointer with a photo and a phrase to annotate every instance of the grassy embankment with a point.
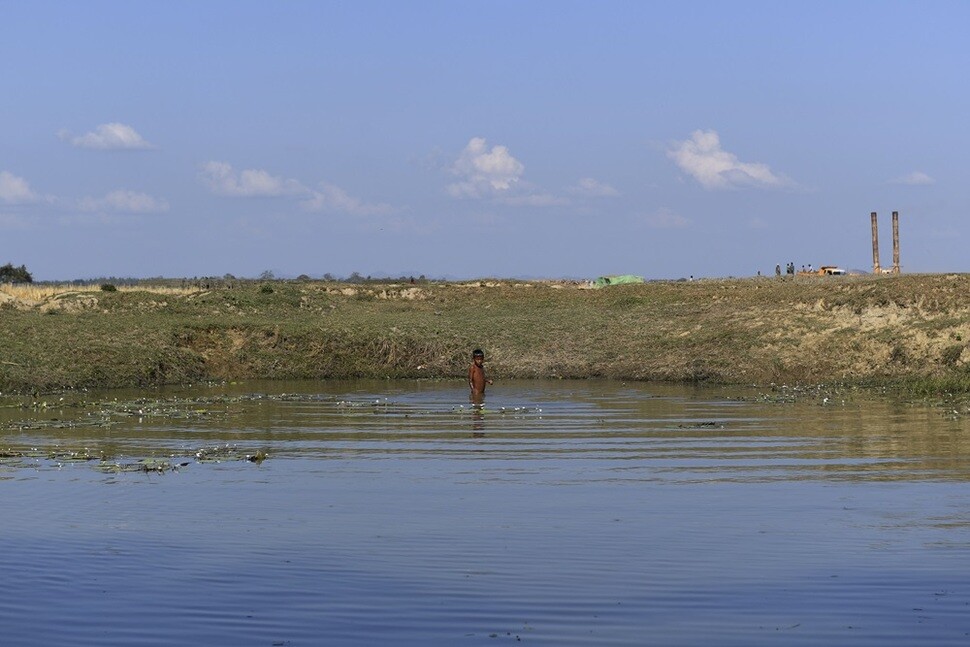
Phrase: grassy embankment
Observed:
(911, 330)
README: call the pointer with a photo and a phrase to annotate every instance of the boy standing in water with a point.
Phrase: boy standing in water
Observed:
(476, 376)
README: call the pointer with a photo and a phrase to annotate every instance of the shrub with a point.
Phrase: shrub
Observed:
(951, 355)
(266, 288)
(11, 274)
(108, 287)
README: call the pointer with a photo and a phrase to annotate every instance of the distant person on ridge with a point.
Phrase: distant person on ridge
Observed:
(476, 377)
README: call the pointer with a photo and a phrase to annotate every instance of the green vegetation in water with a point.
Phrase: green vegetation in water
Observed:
(55, 458)
(75, 413)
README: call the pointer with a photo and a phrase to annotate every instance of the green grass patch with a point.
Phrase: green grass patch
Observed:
(731, 331)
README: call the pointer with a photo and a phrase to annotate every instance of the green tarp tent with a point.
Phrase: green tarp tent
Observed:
(603, 281)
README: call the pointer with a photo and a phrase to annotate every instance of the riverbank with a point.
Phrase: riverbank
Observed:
(907, 329)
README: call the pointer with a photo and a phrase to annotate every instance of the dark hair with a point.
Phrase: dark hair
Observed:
(478, 353)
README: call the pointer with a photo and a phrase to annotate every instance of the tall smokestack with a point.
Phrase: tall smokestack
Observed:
(875, 245)
(895, 242)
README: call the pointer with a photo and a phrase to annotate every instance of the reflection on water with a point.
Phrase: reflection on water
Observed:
(552, 512)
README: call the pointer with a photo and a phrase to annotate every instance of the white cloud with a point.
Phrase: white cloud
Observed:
(916, 178)
(590, 188)
(702, 158)
(483, 172)
(15, 189)
(222, 179)
(329, 197)
(534, 200)
(665, 219)
(113, 136)
(123, 201)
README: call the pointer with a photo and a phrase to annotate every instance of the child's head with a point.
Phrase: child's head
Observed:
(477, 354)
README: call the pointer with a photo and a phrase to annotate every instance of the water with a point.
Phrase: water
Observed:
(565, 513)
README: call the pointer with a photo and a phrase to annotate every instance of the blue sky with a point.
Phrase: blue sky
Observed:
(480, 139)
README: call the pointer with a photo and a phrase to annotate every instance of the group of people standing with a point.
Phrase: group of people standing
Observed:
(790, 269)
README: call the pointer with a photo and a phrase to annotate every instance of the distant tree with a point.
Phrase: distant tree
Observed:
(11, 274)
(355, 277)
(267, 275)
(329, 277)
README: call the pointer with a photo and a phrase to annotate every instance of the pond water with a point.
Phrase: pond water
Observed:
(563, 513)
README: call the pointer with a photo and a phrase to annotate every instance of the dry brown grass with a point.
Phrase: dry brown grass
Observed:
(29, 292)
